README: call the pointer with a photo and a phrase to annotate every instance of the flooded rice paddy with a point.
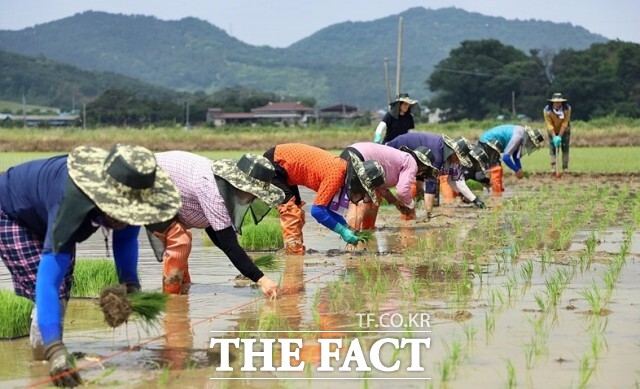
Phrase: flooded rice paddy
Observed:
(539, 290)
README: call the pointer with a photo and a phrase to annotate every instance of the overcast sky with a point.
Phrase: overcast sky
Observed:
(279, 23)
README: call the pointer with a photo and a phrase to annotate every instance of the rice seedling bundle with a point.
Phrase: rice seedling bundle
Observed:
(15, 312)
(91, 276)
(117, 306)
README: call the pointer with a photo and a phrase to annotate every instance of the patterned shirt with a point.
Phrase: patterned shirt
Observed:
(202, 204)
(400, 168)
(315, 168)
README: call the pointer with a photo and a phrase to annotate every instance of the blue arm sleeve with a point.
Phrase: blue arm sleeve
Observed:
(125, 253)
(507, 160)
(517, 162)
(51, 271)
(326, 217)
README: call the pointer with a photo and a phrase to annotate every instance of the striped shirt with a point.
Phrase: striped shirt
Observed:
(202, 204)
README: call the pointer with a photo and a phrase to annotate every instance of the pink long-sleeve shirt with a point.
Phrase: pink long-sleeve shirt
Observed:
(399, 167)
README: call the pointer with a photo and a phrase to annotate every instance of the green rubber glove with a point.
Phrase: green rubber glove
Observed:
(346, 234)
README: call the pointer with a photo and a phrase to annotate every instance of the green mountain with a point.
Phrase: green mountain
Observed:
(341, 63)
(51, 83)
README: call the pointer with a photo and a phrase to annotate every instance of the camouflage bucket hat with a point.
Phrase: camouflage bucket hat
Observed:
(125, 183)
(481, 157)
(535, 135)
(496, 145)
(423, 155)
(370, 173)
(253, 174)
(460, 146)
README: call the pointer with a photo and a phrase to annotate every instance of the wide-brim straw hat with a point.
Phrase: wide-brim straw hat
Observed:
(125, 183)
(370, 173)
(460, 146)
(253, 174)
(557, 98)
(414, 108)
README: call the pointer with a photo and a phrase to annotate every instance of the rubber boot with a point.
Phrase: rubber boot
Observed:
(445, 190)
(362, 217)
(292, 220)
(175, 266)
(496, 180)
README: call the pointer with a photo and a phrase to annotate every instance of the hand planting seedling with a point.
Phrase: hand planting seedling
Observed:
(364, 236)
(117, 305)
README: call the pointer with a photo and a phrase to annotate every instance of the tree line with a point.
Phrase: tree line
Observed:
(478, 80)
(483, 79)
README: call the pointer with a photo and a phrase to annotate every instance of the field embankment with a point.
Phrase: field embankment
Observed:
(599, 133)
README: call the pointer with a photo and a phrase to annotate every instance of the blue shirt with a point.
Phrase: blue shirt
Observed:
(502, 134)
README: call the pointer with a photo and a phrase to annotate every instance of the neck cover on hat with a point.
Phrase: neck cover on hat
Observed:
(236, 207)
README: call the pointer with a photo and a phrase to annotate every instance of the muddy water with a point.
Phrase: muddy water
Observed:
(331, 291)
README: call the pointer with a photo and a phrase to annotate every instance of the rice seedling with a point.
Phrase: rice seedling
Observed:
(541, 303)
(609, 278)
(495, 300)
(594, 298)
(264, 236)
(489, 325)
(117, 306)
(163, 377)
(267, 262)
(470, 332)
(15, 315)
(364, 236)
(511, 375)
(590, 244)
(586, 370)
(91, 276)
(526, 272)
(510, 284)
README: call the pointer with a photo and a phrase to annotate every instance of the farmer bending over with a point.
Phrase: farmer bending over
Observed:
(215, 195)
(512, 141)
(451, 156)
(400, 171)
(49, 205)
(336, 181)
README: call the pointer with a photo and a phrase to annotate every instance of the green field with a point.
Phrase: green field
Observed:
(583, 159)
(16, 108)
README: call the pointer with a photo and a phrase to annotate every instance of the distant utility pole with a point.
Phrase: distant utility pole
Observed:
(186, 120)
(513, 104)
(24, 110)
(84, 116)
(399, 59)
(386, 79)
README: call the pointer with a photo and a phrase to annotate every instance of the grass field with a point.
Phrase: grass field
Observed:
(583, 159)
